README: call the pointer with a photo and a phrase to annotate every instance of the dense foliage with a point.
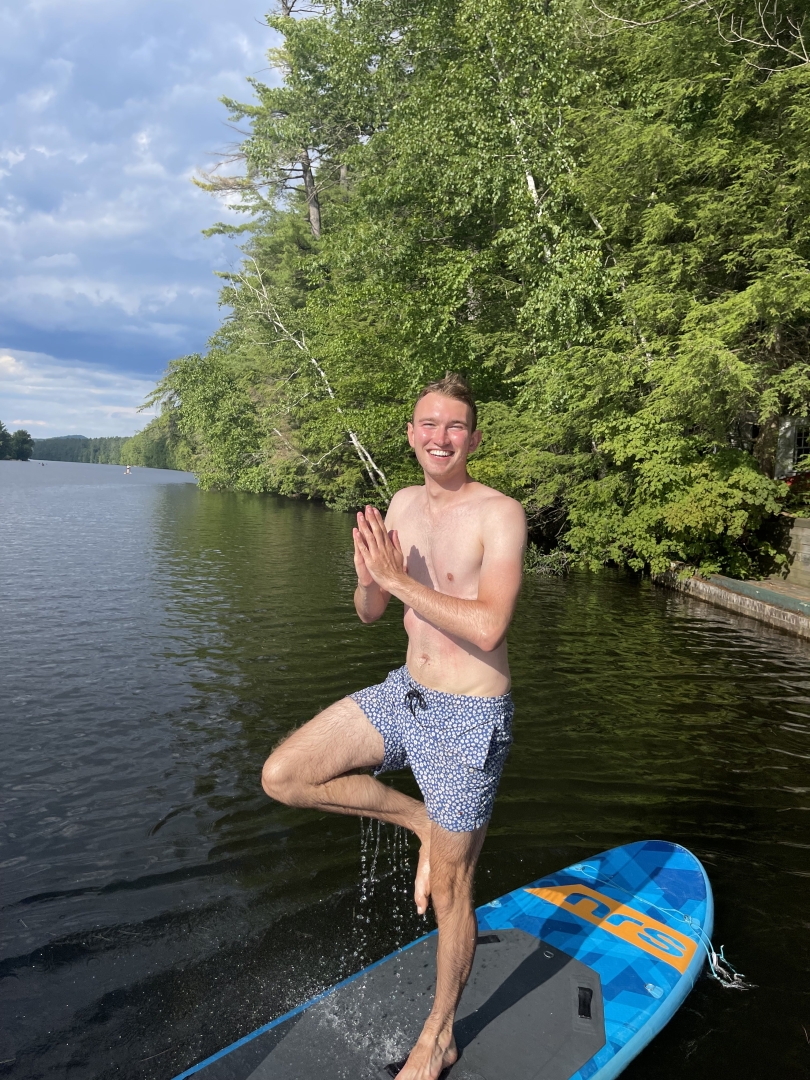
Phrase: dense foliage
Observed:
(601, 217)
(154, 447)
(16, 445)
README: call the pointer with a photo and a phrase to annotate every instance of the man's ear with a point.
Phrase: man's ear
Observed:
(410, 433)
(475, 440)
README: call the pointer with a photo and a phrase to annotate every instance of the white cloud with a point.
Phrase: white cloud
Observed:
(107, 111)
(65, 258)
(50, 299)
(37, 99)
(71, 398)
(10, 366)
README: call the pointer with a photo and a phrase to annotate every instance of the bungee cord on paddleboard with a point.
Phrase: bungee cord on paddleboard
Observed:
(720, 967)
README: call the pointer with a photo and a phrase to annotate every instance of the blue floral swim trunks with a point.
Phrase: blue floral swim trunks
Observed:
(455, 745)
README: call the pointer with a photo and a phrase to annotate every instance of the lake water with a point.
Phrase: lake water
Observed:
(156, 641)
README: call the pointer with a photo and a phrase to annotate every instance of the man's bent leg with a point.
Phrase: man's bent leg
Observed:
(314, 766)
(453, 859)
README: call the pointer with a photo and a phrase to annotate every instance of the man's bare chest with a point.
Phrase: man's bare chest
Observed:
(446, 554)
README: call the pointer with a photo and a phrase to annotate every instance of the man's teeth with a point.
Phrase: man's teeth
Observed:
(440, 453)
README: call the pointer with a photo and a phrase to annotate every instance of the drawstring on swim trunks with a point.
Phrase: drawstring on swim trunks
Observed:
(415, 695)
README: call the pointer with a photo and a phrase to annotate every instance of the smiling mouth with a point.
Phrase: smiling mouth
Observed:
(440, 453)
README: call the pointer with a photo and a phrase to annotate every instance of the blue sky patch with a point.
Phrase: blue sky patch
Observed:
(107, 109)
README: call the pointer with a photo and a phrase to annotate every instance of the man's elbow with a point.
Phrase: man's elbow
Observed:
(366, 618)
(489, 640)
(371, 613)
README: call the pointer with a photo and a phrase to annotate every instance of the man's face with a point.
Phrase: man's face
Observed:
(441, 437)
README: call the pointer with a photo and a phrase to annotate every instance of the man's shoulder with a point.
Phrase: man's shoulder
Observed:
(408, 492)
(405, 498)
(497, 505)
(502, 522)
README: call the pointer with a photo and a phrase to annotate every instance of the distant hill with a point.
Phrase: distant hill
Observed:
(102, 451)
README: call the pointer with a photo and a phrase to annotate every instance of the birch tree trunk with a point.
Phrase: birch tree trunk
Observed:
(313, 202)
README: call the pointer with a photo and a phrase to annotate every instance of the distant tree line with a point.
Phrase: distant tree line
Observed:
(102, 451)
(17, 445)
(151, 448)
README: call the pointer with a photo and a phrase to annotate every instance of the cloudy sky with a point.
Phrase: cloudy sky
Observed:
(107, 109)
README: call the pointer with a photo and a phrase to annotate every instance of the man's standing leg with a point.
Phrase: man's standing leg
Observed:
(453, 858)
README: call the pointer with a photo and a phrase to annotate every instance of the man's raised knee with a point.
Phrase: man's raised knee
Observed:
(278, 780)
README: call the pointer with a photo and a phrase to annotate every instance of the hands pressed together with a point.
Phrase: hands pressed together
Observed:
(378, 556)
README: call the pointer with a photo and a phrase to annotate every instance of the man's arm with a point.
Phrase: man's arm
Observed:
(370, 601)
(483, 621)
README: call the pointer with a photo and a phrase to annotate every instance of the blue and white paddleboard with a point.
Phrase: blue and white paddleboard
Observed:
(574, 974)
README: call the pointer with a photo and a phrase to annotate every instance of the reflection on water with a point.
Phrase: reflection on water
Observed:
(157, 641)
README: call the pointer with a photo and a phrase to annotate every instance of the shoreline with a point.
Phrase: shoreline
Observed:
(757, 600)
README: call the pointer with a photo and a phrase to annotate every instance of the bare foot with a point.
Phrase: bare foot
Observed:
(427, 1060)
(421, 886)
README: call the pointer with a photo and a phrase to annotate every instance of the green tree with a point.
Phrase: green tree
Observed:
(5, 441)
(690, 162)
(156, 447)
(22, 445)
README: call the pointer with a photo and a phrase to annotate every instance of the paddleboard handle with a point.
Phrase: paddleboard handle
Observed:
(585, 999)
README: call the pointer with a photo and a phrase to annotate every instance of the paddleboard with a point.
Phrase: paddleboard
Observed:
(574, 974)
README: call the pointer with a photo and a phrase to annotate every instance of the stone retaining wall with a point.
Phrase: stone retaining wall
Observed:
(783, 619)
(799, 573)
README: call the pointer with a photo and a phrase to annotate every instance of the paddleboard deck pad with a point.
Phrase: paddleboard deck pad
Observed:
(573, 975)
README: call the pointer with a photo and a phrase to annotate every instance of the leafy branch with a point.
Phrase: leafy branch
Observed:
(269, 311)
(776, 32)
(774, 28)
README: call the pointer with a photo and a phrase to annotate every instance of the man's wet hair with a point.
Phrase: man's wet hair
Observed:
(452, 386)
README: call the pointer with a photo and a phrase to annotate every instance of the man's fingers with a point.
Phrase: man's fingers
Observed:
(377, 525)
(365, 538)
(367, 533)
(377, 545)
(395, 541)
(371, 517)
(363, 524)
(364, 576)
(360, 545)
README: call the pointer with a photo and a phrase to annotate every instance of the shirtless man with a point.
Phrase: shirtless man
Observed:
(452, 552)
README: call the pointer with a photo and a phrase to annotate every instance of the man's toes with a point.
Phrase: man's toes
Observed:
(420, 898)
(421, 890)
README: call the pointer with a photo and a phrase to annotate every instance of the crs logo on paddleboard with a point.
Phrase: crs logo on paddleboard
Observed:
(622, 921)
